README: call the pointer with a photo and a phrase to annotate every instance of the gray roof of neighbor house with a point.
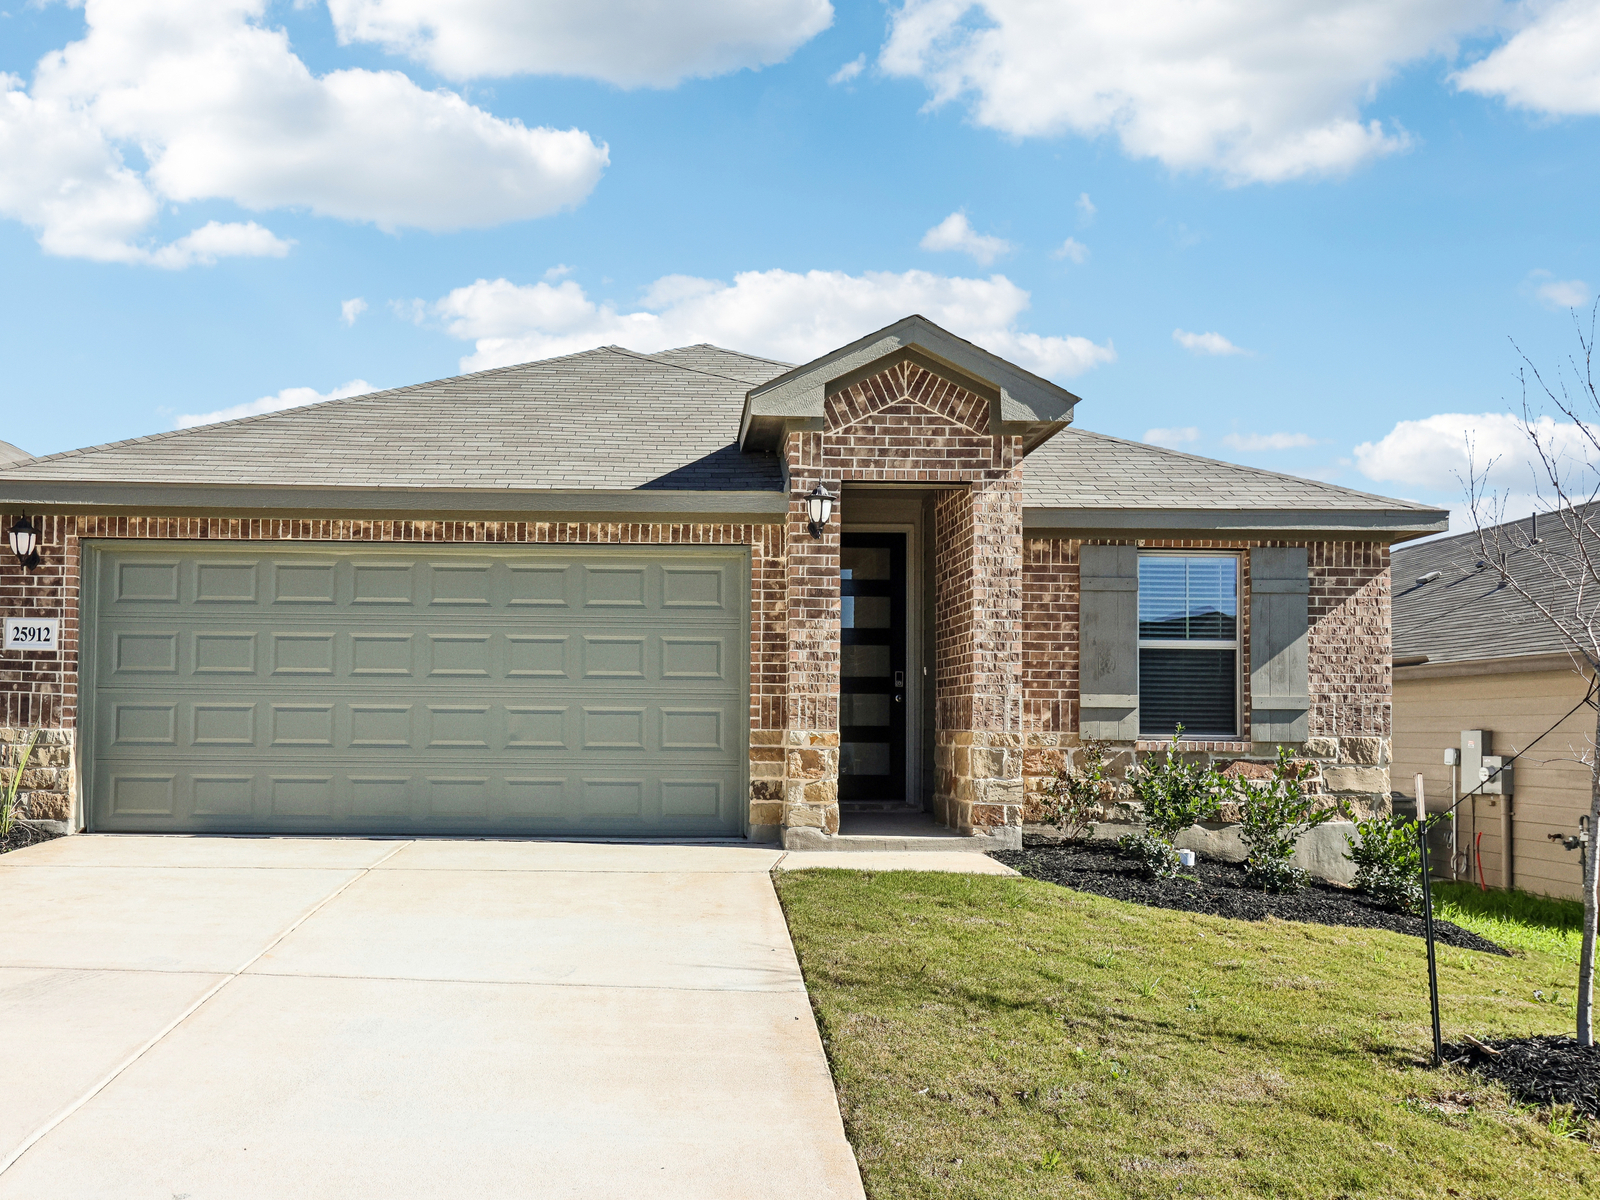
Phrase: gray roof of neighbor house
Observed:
(11, 454)
(602, 419)
(1465, 612)
(1075, 477)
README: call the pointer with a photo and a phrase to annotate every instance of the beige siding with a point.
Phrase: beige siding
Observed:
(1552, 781)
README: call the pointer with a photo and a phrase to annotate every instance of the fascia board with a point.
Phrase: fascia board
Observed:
(1510, 664)
(1394, 524)
(415, 503)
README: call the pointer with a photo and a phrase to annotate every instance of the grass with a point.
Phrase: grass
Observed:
(1002, 1037)
(1516, 920)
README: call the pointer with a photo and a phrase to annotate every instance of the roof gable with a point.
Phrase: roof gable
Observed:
(1024, 404)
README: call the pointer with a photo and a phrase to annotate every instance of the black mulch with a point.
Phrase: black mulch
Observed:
(1546, 1069)
(1218, 889)
(24, 833)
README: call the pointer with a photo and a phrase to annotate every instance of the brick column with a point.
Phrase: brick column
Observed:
(978, 654)
(811, 731)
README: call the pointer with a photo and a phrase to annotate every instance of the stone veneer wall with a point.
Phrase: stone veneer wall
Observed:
(46, 790)
(39, 691)
(1349, 654)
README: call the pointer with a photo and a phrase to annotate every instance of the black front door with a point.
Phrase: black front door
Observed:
(872, 672)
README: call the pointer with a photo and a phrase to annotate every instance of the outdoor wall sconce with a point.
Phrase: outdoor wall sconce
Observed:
(24, 539)
(819, 507)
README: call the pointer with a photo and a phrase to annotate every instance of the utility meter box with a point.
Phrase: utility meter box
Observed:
(1475, 743)
(1496, 775)
(1452, 757)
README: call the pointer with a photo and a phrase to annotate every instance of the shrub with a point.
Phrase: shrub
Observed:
(1155, 856)
(1388, 862)
(1273, 813)
(1072, 799)
(1175, 795)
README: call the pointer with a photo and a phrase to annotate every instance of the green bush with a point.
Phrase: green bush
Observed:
(1155, 856)
(1388, 862)
(1072, 799)
(1175, 794)
(1273, 813)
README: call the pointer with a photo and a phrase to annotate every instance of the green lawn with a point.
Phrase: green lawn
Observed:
(995, 1036)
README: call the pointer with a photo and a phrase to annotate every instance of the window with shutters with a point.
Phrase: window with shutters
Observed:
(1189, 645)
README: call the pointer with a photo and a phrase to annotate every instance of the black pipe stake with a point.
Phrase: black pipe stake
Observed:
(1433, 968)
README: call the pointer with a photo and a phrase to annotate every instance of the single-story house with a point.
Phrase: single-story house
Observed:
(599, 596)
(1472, 658)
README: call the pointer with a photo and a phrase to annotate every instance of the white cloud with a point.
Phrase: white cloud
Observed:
(1251, 442)
(850, 70)
(1560, 293)
(1432, 452)
(1071, 248)
(1172, 438)
(1086, 208)
(955, 232)
(624, 42)
(351, 309)
(217, 106)
(1205, 343)
(1551, 66)
(294, 397)
(783, 315)
(1257, 92)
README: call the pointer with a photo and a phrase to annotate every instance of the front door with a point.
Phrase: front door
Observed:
(872, 683)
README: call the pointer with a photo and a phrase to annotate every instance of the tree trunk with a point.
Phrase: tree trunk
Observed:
(1591, 902)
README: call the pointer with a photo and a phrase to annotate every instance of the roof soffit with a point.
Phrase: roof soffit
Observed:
(1022, 403)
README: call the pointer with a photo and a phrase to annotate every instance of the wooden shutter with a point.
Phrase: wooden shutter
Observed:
(1108, 642)
(1279, 683)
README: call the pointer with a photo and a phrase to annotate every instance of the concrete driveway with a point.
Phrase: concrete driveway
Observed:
(270, 1017)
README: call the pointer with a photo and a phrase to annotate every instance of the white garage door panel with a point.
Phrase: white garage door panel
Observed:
(544, 691)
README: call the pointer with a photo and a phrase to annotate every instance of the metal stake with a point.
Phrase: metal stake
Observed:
(1427, 916)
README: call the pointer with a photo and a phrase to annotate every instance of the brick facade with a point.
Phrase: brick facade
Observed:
(1349, 655)
(905, 424)
(1005, 637)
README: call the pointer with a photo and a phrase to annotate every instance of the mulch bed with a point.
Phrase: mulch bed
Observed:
(24, 833)
(1218, 889)
(1546, 1069)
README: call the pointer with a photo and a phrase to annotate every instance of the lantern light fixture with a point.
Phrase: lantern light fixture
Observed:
(819, 507)
(24, 539)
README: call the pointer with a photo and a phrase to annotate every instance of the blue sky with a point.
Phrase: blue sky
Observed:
(1367, 200)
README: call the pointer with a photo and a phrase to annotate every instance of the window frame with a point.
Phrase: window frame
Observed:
(1236, 643)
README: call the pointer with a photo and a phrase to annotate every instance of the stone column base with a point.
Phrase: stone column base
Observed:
(811, 780)
(979, 782)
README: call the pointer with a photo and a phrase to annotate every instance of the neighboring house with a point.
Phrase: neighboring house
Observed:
(582, 597)
(11, 454)
(1470, 654)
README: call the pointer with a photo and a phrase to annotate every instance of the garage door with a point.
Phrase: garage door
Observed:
(549, 691)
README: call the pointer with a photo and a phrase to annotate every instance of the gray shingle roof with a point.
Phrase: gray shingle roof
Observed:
(602, 419)
(12, 454)
(746, 368)
(1080, 469)
(1467, 613)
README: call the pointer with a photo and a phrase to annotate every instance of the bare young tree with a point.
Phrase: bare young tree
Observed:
(1558, 575)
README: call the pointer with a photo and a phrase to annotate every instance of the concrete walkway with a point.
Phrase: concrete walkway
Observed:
(240, 1017)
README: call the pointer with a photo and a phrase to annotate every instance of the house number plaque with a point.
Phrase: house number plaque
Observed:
(32, 633)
